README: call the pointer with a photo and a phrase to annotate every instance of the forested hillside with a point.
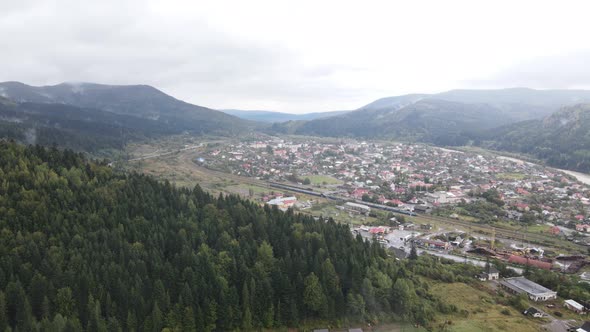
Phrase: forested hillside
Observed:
(561, 139)
(429, 120)
(81, 129)
(139, 101)
(84, 248)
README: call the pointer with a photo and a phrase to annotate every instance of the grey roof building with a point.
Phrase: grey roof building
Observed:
(534, 291)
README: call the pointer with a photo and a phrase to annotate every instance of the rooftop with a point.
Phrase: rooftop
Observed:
(360, 206)
(523, 284)
(574, 304)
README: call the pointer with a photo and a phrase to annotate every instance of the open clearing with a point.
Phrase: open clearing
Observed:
(322, 179)
(479, 311)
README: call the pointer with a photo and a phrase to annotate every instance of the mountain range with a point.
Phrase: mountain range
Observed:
(273, 117)
(551, 125)
(93, 117)
(451, 116)
(561, 139)
(140, 101)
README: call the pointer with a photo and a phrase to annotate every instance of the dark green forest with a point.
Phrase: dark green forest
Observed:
(561, 139)
(85, 248)
(71, 127)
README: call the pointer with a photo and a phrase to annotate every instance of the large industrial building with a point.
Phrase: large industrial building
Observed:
(534, 291)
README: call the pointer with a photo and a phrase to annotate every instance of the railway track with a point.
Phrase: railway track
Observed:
(500, 232)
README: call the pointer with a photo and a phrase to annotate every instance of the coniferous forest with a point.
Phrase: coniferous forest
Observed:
(85, 248)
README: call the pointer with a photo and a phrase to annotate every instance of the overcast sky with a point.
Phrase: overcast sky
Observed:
(296, 56)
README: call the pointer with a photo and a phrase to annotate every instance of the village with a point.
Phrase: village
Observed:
(421, 178)
(473, 207)
(369, 180)
(492, 212)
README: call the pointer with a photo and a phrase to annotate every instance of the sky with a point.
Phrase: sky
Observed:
(297, 56)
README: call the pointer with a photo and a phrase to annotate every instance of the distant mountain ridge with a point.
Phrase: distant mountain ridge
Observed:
(272, 117)
(92, 117)
(448, 118)
(141, 101)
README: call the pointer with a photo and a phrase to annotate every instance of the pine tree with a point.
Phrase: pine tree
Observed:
(65, 302)
(45, 308)
(131, 323)
(313, 295)
(413, 252)
(246, 311)
(188, 321)
(156, 319)
(3, 316)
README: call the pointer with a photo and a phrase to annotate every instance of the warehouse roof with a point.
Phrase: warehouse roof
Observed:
(522, 284)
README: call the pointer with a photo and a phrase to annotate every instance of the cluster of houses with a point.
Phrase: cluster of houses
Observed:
(413, 176)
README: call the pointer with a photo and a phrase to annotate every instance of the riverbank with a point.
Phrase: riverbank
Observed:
(582, 177)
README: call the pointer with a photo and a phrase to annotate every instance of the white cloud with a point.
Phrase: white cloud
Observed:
(294, 56)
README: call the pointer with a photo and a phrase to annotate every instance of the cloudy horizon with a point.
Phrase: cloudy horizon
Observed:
(296, 57)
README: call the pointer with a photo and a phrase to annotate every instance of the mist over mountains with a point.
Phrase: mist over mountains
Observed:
(93, 117)
(455, 113)
(140, 101)
(550, 125)
(274, 117)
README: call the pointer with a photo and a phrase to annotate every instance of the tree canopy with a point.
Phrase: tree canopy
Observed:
(83, 247)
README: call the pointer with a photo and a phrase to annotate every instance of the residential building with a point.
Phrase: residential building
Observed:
(433, 244)
(583, 228)
(283, 202)
(491, 273)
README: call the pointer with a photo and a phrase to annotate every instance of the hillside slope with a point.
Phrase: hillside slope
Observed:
(80, 129)
(141, 101)
(449, 118)
(85, 248)
(427, 120)
(561, 139)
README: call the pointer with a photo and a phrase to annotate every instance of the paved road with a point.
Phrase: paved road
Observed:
(557, 325)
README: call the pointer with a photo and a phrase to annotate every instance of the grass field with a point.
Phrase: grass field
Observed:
(322, 179)
(328, 209)
(244, 189)
(511, 176)
(480, 311)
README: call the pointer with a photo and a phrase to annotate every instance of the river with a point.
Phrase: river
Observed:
(582, 177)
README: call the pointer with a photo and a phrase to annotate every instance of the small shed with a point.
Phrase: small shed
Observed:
(574, 306)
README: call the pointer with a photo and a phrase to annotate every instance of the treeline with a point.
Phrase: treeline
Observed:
(85, 248)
